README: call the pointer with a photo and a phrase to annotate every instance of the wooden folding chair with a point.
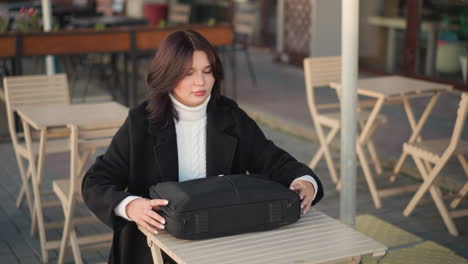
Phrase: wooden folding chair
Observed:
(431, 156)
(319, 72)
(179, 14)
(84, 140)
(34, 90)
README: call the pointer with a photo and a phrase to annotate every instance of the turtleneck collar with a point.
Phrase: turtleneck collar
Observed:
(188, 113)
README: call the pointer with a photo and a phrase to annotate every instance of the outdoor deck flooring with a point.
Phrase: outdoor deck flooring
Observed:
(17, 246)
(281, 95)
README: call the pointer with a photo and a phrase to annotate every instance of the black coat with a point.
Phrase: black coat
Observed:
(142, 154)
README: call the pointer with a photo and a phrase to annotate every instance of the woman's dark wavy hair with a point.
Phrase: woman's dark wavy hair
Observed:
(171, 63)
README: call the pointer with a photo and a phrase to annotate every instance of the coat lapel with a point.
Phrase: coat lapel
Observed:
(220, 146)
(165, 150)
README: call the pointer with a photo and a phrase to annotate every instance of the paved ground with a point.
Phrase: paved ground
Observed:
(279, 101)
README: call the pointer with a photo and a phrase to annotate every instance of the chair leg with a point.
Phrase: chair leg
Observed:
(24, 186)
(75, 247)
(463, 162)
(35, 186)
(424, 187)
(326, 151)
(33, 221)
(67, 228)
(370, 147)
(374, 157)
(437, 197)
(40, 169)
(464, 190)
(319, 154)
(368, 176)
(461, 194)
(429, 178)
(398, 166)
(250, 66)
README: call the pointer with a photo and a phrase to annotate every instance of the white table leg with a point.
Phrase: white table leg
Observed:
(416, 128)
(155, 252)
(363, 138)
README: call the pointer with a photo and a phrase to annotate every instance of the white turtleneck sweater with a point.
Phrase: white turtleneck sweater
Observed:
(191, 147)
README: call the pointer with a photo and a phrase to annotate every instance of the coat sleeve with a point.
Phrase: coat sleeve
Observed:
(269, 159)
(103, 186)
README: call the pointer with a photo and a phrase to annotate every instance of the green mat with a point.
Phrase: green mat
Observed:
(416, 252)
(383, 232)
(427, 252)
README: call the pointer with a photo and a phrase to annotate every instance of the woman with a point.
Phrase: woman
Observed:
(184, 130)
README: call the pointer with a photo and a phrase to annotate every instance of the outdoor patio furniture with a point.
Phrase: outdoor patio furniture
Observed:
(84, 140)
(431, 156)
(393, 89)
(43, 117)
(315, 238)
(179, 14)
(319, 72)
(34, 90)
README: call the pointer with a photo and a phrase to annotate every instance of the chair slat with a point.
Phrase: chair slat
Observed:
(37, 89)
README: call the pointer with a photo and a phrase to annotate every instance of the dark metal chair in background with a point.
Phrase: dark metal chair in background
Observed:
(244, 25)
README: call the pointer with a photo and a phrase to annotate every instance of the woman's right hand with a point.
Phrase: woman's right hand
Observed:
(140, 211)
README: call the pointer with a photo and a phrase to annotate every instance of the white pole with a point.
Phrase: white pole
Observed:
(349, 51)
(47, 23)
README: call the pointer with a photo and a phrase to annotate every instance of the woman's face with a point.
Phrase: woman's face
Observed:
(196, 86)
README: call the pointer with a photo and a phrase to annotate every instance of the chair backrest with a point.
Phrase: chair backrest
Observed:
(33, 90)
(179, 14)
(460, 122)
(319, 72)
(84, 140)
(244, 22)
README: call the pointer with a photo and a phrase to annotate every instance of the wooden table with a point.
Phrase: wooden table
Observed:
(315, 238)
(43, 117)
(393, 89)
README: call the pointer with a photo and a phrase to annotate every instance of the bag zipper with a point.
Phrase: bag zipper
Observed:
(235, 188)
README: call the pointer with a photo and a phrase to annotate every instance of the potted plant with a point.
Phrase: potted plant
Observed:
(28, 20)
(3, 23)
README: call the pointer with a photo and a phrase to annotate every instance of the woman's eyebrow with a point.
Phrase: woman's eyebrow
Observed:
(206, 67)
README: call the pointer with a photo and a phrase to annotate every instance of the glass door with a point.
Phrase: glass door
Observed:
(442, 49)
(382, 30)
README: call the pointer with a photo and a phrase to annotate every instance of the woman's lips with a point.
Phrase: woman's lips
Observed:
(199, 93)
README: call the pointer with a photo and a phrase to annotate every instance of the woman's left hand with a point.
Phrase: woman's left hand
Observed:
(306, 191)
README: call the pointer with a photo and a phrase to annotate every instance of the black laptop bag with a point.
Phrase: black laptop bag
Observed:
(225, 205)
